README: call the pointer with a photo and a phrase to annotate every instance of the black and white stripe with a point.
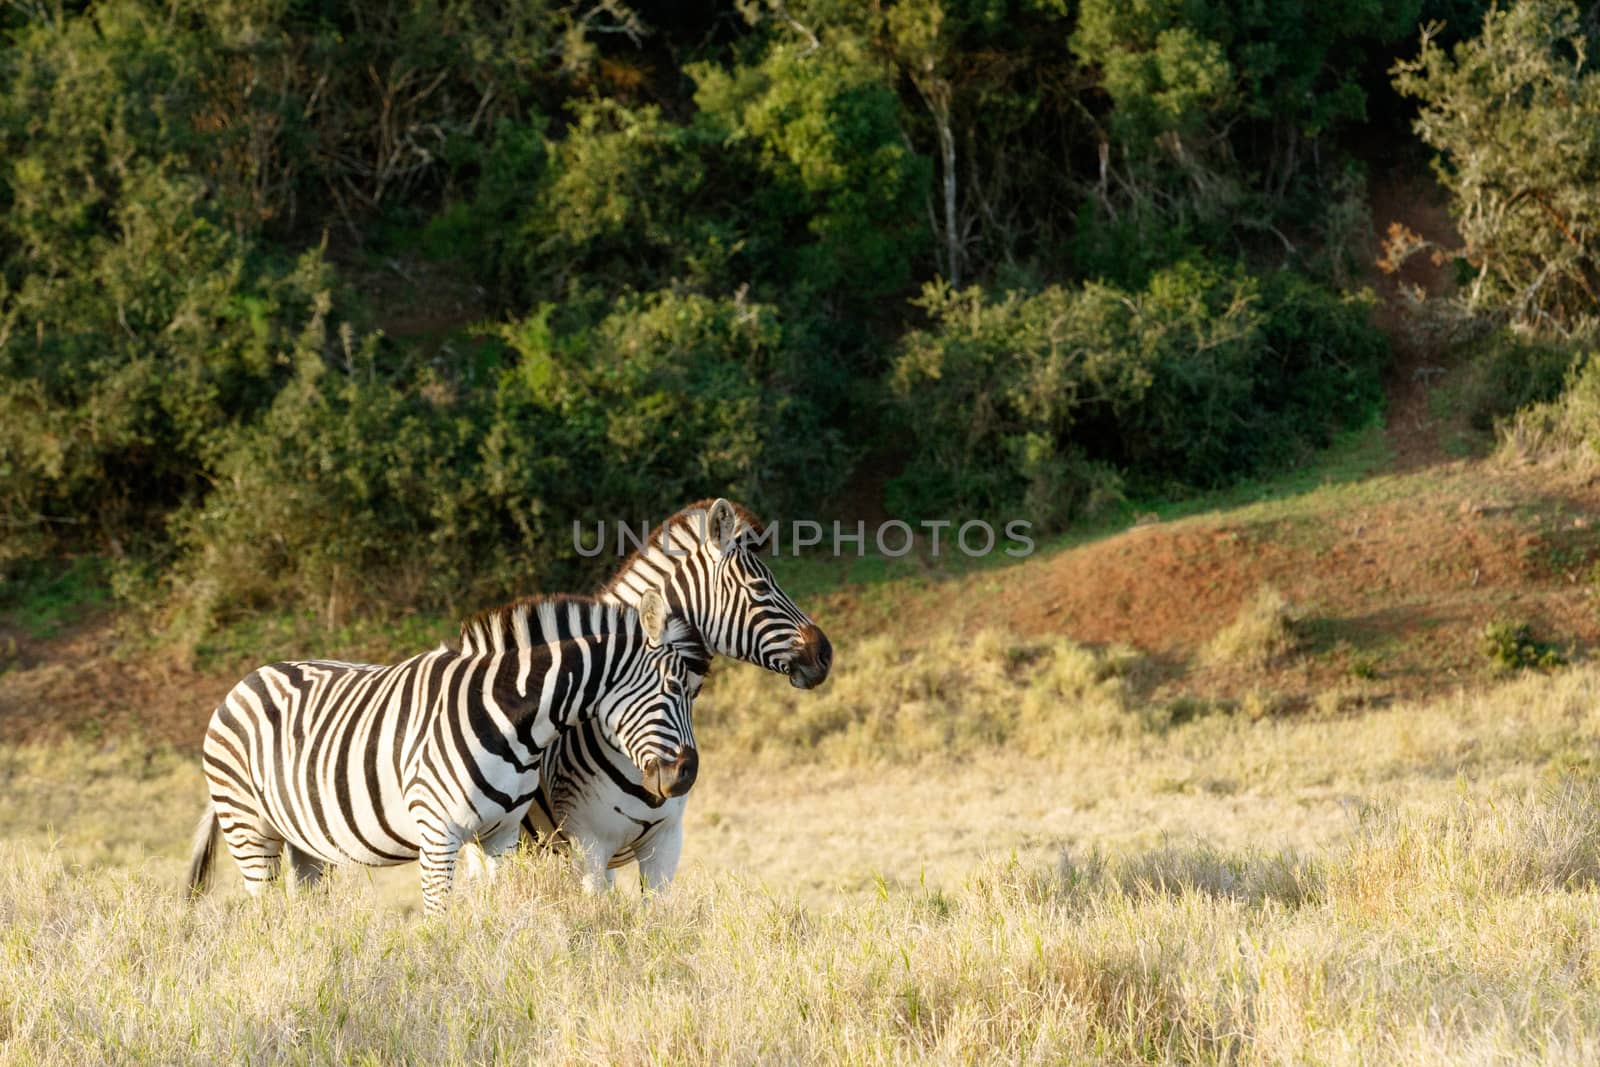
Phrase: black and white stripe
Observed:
(356, 763)
(705, 561)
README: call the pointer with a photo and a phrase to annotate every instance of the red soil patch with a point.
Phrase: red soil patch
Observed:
(1404, 584)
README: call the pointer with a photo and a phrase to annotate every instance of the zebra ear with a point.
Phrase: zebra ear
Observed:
(652, 616)
(721, 523)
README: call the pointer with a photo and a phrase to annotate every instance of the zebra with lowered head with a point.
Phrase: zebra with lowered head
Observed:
(705, 562)
(380, 765)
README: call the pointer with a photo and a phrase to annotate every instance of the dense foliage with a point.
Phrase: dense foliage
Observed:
(1031, 255)
(1046, 403)
(1515, 114)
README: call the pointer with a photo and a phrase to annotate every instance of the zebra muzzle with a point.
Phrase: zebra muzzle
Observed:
(664, 778)
(812, 659)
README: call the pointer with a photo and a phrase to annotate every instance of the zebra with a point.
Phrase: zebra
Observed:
(704, 560)
(381, 765)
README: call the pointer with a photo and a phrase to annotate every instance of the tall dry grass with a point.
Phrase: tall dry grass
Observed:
(977, 850)
(1466, 934)
(950, 695)
(1262, 633)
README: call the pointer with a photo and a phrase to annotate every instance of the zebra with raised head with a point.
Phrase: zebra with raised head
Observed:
(705, 561)
(380, 765)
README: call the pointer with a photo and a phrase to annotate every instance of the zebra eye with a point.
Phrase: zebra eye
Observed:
(761, 587)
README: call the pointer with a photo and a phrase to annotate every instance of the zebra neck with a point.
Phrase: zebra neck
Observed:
(551, 692)
(658, 563)
(697, 657)
(657, 569)
(534, 622)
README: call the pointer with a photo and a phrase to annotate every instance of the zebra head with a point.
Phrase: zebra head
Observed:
(647, 714)
(706, 561)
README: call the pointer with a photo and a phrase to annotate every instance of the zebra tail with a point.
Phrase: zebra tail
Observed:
(204, 856)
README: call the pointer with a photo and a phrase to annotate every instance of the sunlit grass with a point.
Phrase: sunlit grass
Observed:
(964, 849)
(1467, 932)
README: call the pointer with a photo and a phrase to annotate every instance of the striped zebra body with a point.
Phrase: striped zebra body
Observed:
(590, 800)
(355, 763)
(705, 562)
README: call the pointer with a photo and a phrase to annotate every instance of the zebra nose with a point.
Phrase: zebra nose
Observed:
(813, 658)
(677, 776)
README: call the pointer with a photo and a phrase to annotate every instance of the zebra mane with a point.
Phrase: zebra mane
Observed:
(535, 620)
(691, 519)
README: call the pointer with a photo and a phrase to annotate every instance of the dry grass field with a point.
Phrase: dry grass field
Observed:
(1320, 828)
(1413, 884)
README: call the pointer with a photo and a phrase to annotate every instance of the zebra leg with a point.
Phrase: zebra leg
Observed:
(254, 849)
(593, 865)
(658, 860)
(496, 846)
(474, 863)
(438, 862)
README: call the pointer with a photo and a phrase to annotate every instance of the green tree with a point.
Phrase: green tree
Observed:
(137, 324)
(1515, 116)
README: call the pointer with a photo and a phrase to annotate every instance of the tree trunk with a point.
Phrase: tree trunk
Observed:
(936, 94)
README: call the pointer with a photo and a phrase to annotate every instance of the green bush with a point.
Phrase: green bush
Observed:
(137, 323)
(1514, 114)
(839, 194)
(997, 395)
(142, 320)
(1508, 370)
(789, 176)
(670, 397)
(373, 480)
(1038, 404)
(345, 494)
(1218, 123)
(1511, 646)
(1566, 429)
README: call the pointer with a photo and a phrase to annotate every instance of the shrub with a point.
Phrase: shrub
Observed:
(373, 479)
(788, 176)
(1565, 430)
(840, 194)
(1034, 403)
(993, 396)
(1217, 125)
(1515, 117)
(624, 200)
(1508, 370)
(118, 374)
(668, 398)
(1262, 634)
(1511, 646)
(139, 322)
(347, 493)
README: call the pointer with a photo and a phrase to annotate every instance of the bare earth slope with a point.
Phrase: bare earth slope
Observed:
(1401, 576)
